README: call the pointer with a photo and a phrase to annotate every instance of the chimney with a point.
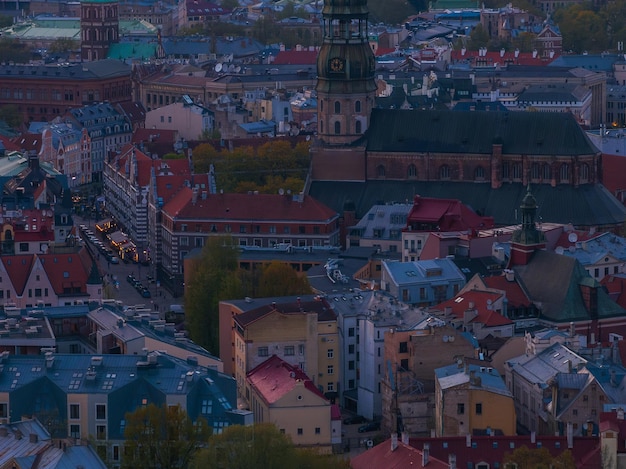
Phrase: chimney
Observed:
(468, 440)
(405, 438)
(572, 329)
(570, 435)
(620, 414)
(533, 437)
(394, 441)
(452, 461)
(425, 454)
(432, 433)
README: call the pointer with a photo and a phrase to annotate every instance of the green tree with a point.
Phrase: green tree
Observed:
(12, 50)
(213, 278)
(260, 446)
(10, 114)
(280, 279)
(203, 156)
(162, 437)
(62, 45)
(539, 458)
(6, 21)
(582, 28)
(478, 38)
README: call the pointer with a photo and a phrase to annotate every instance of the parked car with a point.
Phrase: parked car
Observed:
(114, 260)
(369, 427)
(353, 420)
(145, 293)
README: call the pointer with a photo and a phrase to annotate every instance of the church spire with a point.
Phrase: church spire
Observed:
(527, 239)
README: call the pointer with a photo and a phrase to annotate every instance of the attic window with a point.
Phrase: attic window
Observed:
(66, 274)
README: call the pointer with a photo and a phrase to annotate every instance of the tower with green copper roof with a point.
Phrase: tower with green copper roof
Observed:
(99, 28)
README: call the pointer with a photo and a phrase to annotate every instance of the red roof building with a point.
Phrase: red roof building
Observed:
(284, 395)
(257, 221)
(430, 214)
(394, 454)
(479, 312)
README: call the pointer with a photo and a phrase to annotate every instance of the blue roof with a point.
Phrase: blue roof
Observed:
(454, 375)
(428, 271)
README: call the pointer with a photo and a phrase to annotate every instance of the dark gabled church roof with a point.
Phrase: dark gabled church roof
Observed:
(525, 133)
(585, 206)
(553, 282)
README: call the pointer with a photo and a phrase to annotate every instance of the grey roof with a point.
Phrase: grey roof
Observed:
(592, 250)
(388, 218)
(452, 376)
(521, 133)
(587, 205)
(97, 70)
(553, 284)
(541, 368)
(561, 93)
(595, 62)
(427, 272)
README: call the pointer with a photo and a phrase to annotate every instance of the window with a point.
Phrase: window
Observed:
(317, 430)
(330, 353)
(564, 173)
(479, 409)
(411, 171)
(290, 350)
(330, 369)
(351, 332)
(351, 365)
(74, 411)
(337, 107)
(337, 128)
(357, 106)
(206, 407)
(547, 172)
(444, 172)
(4, 410)
(460, 408)
(404, 347)
(101, 411)
(351, 348)
(358, 127)
(75, 431)
(479, 173)
(330, 387)
(300, 431)
(263, 352)
(101, 432)
(380, 171)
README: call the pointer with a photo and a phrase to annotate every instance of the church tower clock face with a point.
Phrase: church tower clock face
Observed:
(336, 65)
(345, 73)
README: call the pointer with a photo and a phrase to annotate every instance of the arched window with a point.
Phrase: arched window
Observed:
(564, 173)
(584, 172)
(479, 173)
(444, 172)
(357, 127)
(380, 171)
(337, 128)
(547, 172)
(337, 107)
(321, 104)
(535, 171)
(357, 106)
(516, 171)
(411, 171)
(505, 170)
(321, 127)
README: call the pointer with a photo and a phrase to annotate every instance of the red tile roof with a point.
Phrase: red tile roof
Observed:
(274, 378)
(494, 57)
(9, 145)
(18, 268)
(616, 288)
(585, 450)
(580, 235)
(514, 293)
(296, 57)
(154, 135)
(28, 142)
(481, 301)
(404, 456)
(613, 169)
(262, 207)
(449, 214)
(65, 271)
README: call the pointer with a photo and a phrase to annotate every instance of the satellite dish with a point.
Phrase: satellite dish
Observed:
(572, 237)
(572, 249)
(281, 191)
(308, 137)
(237, 69)
(231, 68)
(218, 67)
(445, 338)
(559, 250)
(450, 338)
